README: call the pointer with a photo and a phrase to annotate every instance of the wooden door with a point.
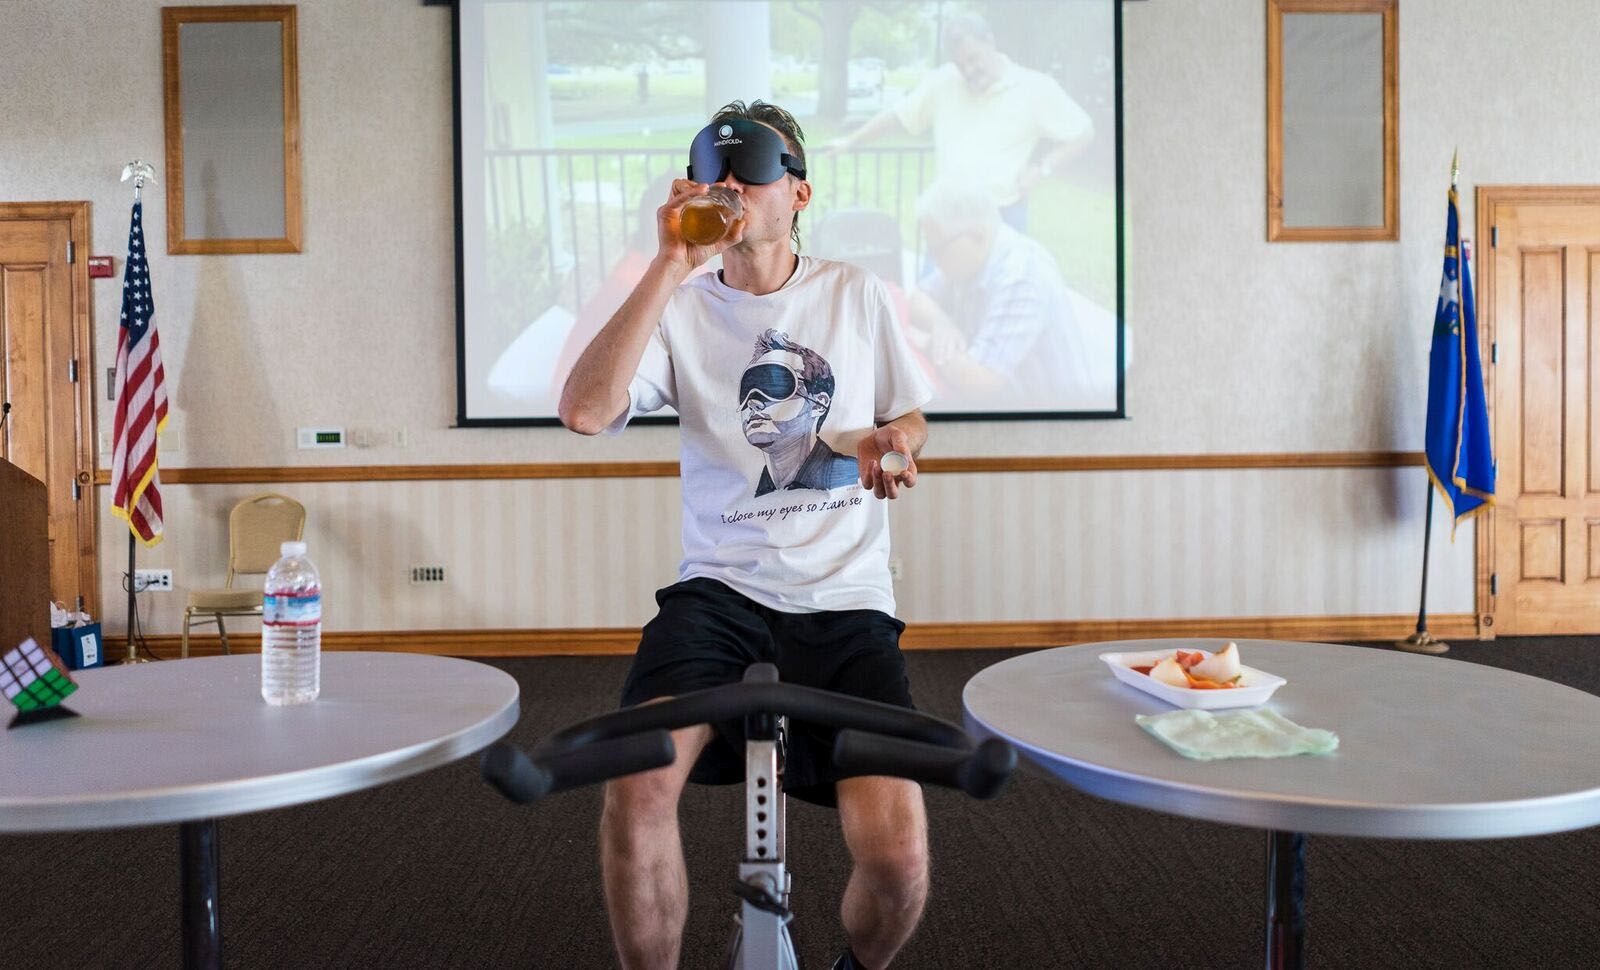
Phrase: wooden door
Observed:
(1544, 290)
(45, 376)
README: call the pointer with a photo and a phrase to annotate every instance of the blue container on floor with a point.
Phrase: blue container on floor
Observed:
(79, 647)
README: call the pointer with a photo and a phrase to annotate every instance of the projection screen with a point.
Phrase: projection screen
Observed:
(968, 153)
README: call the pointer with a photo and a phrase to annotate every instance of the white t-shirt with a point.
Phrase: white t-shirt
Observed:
(772, 504)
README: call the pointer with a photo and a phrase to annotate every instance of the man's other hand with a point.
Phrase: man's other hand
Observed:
(869, 457)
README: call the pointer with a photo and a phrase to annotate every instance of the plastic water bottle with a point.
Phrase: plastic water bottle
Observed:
(291, 629)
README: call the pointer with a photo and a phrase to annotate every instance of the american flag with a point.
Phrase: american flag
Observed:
(141, 385)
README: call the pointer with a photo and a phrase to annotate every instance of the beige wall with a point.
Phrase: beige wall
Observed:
(1237, 345)
(1102, 545)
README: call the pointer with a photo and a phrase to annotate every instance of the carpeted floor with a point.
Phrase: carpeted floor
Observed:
(438, 871)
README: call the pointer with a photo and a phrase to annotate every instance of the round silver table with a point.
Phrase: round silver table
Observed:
(1429, 748)
(191, 741)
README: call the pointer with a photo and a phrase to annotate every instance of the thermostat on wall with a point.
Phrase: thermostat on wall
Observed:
(320, 437)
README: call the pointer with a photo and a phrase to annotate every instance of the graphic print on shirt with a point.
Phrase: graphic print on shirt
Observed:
(784, 397)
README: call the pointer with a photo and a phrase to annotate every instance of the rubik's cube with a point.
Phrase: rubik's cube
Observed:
(33, 679)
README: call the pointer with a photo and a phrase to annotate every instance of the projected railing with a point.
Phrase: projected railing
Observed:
(569, 216)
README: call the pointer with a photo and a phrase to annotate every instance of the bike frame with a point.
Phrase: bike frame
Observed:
(762, 941)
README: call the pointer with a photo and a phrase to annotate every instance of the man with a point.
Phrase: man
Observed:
(993, 314)
(795, 574)
(784, 395)
(995, 123)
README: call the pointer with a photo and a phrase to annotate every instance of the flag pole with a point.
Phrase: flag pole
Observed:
(138, 171)
(1422, 641)
(133, 651)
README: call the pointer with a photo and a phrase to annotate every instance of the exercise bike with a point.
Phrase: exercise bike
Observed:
(873, 739)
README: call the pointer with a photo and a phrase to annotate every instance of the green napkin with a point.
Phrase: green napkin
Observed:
(1253, 733)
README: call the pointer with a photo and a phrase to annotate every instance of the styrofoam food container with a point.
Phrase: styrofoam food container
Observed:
(1255, 686)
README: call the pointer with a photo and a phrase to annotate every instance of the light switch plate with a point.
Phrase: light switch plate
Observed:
(319, 438)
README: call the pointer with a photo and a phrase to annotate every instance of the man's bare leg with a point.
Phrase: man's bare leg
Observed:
(641, 858)
(886, 830)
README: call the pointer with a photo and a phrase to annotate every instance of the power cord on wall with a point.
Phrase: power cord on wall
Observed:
(138, 634)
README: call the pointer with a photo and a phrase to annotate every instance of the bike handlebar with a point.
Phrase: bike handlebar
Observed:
(521, 779)
(980, 772)
(875, 738)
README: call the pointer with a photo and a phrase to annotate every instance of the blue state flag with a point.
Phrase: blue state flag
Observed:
(1460, 461)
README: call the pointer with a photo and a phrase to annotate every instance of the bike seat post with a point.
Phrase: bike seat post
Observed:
(764, 910)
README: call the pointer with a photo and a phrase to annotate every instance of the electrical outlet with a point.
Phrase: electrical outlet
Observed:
(152, 580)
(427, 575)
(897, 568)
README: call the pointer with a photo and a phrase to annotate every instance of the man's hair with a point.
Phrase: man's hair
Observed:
(816, 377)
(957, 205)
(967, 26)
(774, 117)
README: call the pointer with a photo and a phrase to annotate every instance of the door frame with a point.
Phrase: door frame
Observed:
(85, 449)
(1487, 201)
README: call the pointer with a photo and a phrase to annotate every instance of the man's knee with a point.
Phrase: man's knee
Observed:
(651, 797)
(902, 864)
(885, 827)
(643, 798)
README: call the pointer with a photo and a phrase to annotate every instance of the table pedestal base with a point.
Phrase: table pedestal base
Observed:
(198, 884)
(1286, 901)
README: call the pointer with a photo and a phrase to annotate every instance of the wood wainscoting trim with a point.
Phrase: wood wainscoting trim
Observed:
(669, 469)
(613, 641)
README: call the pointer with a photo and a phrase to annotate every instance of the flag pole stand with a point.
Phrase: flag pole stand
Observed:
(133, 650)
(1422, 641)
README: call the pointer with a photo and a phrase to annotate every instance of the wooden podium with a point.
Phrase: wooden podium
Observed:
(24, 558)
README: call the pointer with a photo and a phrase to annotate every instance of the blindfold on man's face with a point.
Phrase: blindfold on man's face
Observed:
(751, 151)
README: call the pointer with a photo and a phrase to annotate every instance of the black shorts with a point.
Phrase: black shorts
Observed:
(706, 634)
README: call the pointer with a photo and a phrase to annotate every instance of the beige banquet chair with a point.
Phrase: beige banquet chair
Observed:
(257, 526)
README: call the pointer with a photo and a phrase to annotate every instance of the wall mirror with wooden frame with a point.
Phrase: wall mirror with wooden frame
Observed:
(1332, 120)
(233, 129)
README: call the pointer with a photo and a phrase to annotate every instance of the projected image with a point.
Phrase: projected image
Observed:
(964, 152)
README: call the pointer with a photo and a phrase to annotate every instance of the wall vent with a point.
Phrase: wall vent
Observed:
(427, 574)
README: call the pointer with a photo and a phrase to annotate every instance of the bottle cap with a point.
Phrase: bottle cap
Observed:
(292, 549)
(894, 463)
